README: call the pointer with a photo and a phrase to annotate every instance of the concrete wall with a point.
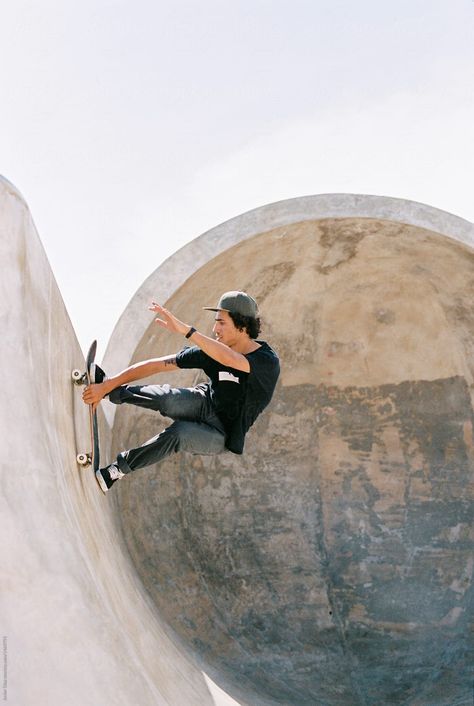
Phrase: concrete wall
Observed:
(78, 626)
(170, 275)
(332, 563)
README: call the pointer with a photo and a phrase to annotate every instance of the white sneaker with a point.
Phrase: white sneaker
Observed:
(107, 476)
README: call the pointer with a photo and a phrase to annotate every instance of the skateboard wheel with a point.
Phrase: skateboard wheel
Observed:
(83, 459)
(76, 375)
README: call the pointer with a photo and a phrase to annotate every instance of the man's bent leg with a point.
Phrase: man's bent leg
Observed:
(175, 402)
(193, 437)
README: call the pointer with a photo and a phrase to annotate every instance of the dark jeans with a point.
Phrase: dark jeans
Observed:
(196, 428)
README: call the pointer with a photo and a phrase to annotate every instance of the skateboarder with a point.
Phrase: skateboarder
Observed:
(210, 417)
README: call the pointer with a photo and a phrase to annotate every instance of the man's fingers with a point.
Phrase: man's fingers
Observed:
(156, 307)
(160, 321)
(91, 395)
(165, 319)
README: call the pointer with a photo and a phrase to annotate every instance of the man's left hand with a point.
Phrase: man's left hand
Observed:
(167, 320)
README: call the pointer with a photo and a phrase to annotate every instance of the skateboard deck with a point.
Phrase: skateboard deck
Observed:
(93, 457)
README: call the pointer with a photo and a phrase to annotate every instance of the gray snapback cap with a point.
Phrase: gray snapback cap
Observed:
(236, 303)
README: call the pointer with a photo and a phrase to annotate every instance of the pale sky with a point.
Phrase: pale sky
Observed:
(133, 127)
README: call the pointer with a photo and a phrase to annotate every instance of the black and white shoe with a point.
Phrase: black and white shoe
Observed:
(107, 476)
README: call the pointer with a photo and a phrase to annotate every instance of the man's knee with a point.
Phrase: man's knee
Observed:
(115, 396)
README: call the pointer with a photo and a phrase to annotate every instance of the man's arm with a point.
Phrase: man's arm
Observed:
(214, 349)
(94, 393)
(220, 352)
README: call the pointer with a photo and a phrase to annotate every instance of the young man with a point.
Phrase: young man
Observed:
(208, 418)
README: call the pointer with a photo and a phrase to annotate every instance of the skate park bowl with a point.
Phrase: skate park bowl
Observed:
(332, 563)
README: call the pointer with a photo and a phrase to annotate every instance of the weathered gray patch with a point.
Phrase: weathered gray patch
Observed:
(329, 564)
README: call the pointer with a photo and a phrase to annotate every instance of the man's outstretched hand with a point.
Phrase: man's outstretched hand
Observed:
(167, 320)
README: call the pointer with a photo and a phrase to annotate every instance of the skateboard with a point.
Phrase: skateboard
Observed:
(79, 378)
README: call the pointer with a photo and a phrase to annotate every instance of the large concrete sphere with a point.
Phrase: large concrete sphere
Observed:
(332, 563)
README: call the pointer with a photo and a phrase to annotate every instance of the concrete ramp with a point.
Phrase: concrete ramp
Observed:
(331, 564)
(77, 626)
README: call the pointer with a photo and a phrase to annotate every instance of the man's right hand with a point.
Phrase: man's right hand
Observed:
(94, 393)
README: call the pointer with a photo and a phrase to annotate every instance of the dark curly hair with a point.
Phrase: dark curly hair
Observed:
(246, 323)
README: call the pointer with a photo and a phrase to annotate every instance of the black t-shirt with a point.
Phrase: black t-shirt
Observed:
(238, 397)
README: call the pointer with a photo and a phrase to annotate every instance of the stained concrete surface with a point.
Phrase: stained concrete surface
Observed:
(333, 562)
(78, 628)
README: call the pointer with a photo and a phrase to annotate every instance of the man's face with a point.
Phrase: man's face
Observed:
(224, 328)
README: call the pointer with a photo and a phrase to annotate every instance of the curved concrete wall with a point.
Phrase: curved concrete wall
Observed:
(171, 274)
(333, 562)
(78, 626)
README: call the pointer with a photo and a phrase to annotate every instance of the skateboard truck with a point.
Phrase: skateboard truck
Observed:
(78, 378)
(84, 459)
